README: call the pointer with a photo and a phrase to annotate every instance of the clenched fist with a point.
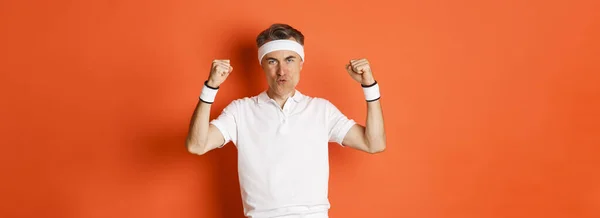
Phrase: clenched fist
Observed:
(360, 70)
(219, 71)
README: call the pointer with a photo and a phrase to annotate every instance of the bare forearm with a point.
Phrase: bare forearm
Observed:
(199, 139)
(374, 130)
(198, 131)
(371, 137)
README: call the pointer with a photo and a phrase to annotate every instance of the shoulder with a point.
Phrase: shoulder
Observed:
(303, 97)
(318, 101)
(245, 101)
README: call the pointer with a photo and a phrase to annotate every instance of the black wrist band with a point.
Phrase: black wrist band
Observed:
(373, 100)
(367, 86)
(206, 84)
(205, 101)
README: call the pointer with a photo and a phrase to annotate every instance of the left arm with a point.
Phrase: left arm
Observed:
(370, 138)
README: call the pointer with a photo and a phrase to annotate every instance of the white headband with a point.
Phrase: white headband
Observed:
(277, 45)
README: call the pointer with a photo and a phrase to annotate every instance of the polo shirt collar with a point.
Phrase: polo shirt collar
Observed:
(263, 97)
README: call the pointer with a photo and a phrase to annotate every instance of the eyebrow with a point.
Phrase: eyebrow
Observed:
(274, 59)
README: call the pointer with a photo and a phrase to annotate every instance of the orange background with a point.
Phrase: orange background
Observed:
(491, 108)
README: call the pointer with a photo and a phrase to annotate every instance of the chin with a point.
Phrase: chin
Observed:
(282, 90)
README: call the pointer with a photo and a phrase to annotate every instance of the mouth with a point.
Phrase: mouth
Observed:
(281, 81)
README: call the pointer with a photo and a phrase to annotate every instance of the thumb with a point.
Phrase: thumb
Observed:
(349, 68)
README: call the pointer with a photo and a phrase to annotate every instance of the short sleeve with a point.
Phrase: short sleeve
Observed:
(226, 123)
(337, 124)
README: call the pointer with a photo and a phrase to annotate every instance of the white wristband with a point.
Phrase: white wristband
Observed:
(208, 94)
(371, 92)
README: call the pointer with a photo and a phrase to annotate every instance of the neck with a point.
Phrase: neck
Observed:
(280, 98)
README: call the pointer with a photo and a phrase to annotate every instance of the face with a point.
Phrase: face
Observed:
(282, 69)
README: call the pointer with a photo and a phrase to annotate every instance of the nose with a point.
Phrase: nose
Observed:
(280, 71)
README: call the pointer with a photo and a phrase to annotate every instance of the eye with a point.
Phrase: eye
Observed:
(271, 62)
(290, 60)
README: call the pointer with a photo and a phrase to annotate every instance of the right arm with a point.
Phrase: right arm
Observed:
(203, 136)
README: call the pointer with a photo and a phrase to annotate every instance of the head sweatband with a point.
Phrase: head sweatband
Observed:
(278, 45)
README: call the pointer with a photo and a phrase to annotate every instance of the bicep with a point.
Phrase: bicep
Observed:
(355, 138)
(215, 138)
(223, 129)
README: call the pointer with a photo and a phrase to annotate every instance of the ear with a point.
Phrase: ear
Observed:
(301, 64)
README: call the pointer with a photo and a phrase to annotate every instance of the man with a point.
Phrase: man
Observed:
(282, 135)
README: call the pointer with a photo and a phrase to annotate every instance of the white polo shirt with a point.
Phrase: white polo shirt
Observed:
(283, 159)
